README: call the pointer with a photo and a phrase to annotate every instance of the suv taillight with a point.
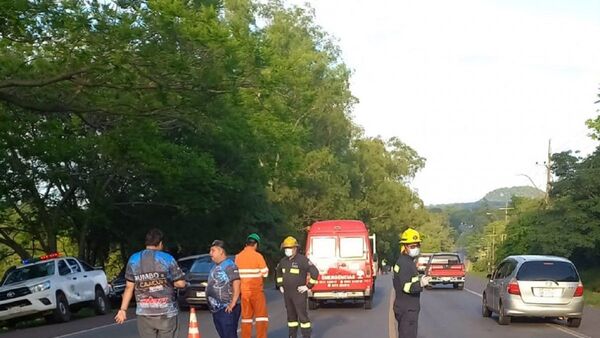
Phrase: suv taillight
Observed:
(578, 291)
(513, 288)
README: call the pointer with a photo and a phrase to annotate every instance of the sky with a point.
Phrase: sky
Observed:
(477, 87)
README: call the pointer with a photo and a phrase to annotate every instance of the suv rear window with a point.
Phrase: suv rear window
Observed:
(548, 271)
(423, 259)
(352, 247)
(445, 259)
(323, 247)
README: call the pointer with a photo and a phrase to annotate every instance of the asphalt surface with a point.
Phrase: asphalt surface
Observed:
(445, 313)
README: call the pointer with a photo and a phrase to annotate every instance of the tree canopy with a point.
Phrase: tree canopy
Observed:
(208, 119)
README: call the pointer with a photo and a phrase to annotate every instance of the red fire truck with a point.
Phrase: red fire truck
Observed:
(345, 255)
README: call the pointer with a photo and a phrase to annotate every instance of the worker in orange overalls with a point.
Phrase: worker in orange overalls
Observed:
(253, 269)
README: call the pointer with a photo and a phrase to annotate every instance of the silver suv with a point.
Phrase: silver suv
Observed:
(534, 286)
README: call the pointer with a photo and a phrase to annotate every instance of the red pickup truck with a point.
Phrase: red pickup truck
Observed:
(446, 268)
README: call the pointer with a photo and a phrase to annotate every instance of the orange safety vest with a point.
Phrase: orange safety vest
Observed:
(252, 268)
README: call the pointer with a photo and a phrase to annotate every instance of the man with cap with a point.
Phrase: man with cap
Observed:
(408, 285)
(223, 291)
(296, 274)
(152, 275)
(253, 269)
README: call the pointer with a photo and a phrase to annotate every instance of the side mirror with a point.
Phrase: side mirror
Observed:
(489, 276)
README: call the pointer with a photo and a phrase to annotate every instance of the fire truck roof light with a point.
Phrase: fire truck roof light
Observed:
(41, 258)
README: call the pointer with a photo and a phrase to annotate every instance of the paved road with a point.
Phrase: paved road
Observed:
(445, 313)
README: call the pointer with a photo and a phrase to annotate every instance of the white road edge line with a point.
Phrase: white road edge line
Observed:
(555, 326)
(475, 293)
(93, 329)
(571, 332)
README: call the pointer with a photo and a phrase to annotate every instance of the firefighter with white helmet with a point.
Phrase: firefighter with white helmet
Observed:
(295, 276)
(408, 285)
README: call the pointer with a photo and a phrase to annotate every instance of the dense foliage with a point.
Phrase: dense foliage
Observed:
(206, 118)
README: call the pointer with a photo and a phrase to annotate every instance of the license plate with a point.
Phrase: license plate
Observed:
(446, 279)
(549, 292)
(201, 294)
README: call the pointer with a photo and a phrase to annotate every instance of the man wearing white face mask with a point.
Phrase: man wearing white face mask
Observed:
(295, 276)
(408, 285)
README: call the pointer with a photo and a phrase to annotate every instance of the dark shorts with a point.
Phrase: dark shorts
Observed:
(157, 326)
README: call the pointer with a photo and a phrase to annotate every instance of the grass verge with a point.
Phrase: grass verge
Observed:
(591, 282)
(592, 299)
(480, 274)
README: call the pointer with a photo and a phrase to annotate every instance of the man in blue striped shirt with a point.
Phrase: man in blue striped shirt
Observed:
(153, 274)
(223, 292)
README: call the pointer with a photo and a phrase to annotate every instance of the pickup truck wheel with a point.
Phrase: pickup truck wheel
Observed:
(100, 302)
(573, 322)
(368, 303)
(503, 319)
(460, 286)
(62, 313)
(313, 304)
(485, 310)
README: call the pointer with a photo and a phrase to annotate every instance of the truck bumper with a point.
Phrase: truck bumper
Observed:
(27, 306)
(446, 280)
(321, 295)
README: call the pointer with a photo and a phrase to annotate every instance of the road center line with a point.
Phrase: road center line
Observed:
(391, 318)
(94, 329)
(554, 326)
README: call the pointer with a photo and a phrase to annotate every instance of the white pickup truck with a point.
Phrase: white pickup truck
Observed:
(52, 286)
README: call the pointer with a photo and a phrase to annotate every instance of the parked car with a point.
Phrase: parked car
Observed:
(422, 261)
(446, 268)
(53, 287)
(197, 276)
(116, 288)
(534, 286)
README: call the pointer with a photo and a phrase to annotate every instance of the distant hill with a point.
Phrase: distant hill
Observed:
(467, 216)
(493, 198)
(504, 194)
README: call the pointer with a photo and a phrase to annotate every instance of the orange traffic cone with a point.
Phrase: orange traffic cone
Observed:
(194, 331)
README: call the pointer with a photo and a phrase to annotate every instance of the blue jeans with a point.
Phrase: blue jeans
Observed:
(227, 323)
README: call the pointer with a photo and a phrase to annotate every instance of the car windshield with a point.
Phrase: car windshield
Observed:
(548, 271)
(30, 272)
(202, 265)
(186, 264)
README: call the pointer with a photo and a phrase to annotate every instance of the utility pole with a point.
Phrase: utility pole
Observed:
(493, 243)
(548, 173)
(506, 209)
